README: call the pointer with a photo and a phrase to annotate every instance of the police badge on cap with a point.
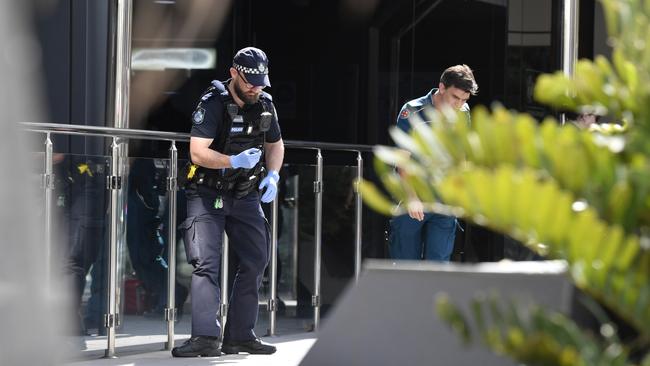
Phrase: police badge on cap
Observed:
(254, 64)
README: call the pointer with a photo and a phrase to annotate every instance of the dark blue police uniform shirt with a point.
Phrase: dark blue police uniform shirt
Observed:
(419, 106)
(213, 114)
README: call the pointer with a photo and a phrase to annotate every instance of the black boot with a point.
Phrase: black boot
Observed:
(253, 347)
(199, 346)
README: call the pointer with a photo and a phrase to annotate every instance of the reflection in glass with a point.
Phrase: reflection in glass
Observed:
(173, 58)
(81, 206)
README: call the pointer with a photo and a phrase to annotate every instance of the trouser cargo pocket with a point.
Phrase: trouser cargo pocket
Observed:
(190, 241)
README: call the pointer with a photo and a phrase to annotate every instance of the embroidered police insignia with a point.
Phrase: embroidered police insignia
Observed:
(198, 115)
(405, 113)
(261, 67)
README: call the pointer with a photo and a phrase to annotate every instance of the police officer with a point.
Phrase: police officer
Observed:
(420, 235)
(235, 130)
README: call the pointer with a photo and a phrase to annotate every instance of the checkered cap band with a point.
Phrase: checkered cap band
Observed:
(261, 70)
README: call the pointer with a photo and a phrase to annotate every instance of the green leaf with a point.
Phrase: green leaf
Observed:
(375, 199)
(454, 317)
(536, 338)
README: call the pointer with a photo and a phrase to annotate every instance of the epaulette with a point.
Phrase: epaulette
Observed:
(411, 107)
(415, 105)
(266, 96)
(220, 89)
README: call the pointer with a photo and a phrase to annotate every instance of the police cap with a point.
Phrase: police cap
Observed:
(254, 64)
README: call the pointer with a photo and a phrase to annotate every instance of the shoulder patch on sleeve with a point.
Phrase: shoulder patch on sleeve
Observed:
(405, 113)
(198, 116)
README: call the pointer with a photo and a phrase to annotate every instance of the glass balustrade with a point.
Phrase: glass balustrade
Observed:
(82, 224)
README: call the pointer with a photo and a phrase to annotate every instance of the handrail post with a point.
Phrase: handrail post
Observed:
(358, 218)
(172, 188)
(569, 40)
(294, 236)
(570, 36)
(223, 311)
(272, 303)
(318, 191)
(120, 112)
(48, 187)
(114, 184)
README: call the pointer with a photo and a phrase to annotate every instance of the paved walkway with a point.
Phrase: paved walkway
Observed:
(141, 341)
(291, 350)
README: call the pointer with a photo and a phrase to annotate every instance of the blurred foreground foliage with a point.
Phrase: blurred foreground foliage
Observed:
(577, 195)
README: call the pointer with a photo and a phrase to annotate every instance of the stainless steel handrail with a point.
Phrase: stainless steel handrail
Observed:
(128, 133)
(332, 146)
(173, 137)
(131, 133)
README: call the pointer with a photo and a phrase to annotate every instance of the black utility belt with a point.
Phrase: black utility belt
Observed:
(215, 182)
(237, 188)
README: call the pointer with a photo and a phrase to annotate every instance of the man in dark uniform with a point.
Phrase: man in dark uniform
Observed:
(235, 129)
(420, 235)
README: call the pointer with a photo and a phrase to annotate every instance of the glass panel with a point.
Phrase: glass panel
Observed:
(145, 284)
(530, 51)
(183, 269)
(288, 235)
(81, 222)
(82, 216)
(296, 214)
(287, 257)
(146, 266)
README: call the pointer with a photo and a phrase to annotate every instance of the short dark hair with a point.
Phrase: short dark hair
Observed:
(461, 77)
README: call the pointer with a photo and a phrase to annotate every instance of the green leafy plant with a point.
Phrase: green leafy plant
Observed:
(570, 194)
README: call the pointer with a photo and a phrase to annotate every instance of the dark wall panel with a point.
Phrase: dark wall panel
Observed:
(74, 41)
(52, 25)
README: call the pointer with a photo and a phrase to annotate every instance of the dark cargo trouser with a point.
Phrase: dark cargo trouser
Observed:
(248, 233)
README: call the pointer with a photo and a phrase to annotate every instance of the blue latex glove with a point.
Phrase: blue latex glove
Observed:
(246, 159)
(271, 185)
